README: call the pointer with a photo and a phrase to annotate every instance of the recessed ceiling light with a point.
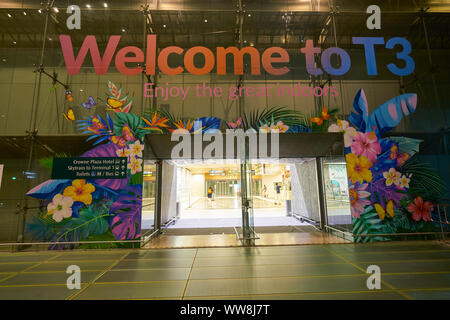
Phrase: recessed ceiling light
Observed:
(55, 9)
(40, 11)
(105, 5)
(123, 30)
(24, 13)
(206, 20)
(249, 15)
(14, 42)
(50, 39)
(88, 6)
(9, 15)
(164, 25)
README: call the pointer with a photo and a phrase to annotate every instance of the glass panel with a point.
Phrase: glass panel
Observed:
(247, 197)
(337, 193)
(149, 197)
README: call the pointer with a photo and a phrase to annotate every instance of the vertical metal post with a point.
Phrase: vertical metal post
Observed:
(158, 195)
(32, 129)
(322, 206)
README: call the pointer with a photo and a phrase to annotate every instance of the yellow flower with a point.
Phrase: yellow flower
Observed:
(135, 165)
(358, 168)
(80, 191)
(392, 177)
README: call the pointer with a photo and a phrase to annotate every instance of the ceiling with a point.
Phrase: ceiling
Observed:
(215, 22)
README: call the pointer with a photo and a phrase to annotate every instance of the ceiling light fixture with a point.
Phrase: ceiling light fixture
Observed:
(40, 11)
(55, 9)
(88, 6)
(105, 5)
(10, 16)
(164, 25)
(123, 30)
(206, 20)
(14, 42)
(24, 13)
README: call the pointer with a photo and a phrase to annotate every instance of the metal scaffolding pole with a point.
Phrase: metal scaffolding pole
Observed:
(32, 130)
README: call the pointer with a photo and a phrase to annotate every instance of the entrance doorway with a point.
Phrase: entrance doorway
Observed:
(204, 203)
(245, 200)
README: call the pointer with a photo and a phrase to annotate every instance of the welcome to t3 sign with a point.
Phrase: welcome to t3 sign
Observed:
(269, 57)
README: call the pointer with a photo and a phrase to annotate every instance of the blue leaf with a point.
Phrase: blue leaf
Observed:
(208, 124)
(298, 128)
(49, 188)
(385, 117)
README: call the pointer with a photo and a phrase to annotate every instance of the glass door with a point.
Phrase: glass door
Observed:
(248, 232)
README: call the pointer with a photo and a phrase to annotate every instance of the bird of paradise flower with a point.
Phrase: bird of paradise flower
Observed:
(156, 123)
(185, 127)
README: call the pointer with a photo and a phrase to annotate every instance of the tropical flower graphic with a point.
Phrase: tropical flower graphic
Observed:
(279, 127)
(265, 128)
(135, 165)
(136, 149)
(420, 210)
(358, 168)
(392, 177)
(358, 198)
(156, 122)
(80, 191)
(182, 128)
(366, 144)
(404, 181)
(344, 127)
(60, 207)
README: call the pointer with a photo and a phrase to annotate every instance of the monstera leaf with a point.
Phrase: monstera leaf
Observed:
(125, 224)
(368, 223)
(385, 117)
(134, 122)
(107, 150)
(48, 189)
(92, 220)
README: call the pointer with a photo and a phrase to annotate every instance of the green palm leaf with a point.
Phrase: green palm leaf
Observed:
(257, 118)
(425, 181)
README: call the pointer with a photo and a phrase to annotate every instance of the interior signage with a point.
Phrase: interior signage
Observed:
(90, 168)
(274, 55)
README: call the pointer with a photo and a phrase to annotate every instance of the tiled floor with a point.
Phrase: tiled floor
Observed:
(410, 270)
(229, 240)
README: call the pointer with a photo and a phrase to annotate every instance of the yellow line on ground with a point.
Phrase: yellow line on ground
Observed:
(241, 278)
(293, 294)
(30, 267)
(77, 293)
(189, 276)
(36, 285)
(382, 281)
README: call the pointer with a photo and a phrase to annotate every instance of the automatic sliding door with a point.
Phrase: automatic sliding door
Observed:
(248, 232)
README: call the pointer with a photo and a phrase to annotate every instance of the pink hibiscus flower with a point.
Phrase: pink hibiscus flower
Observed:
(420, 210)
(358, 198)
(366, 144)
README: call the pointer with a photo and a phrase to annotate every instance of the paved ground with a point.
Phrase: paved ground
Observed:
(410, 270)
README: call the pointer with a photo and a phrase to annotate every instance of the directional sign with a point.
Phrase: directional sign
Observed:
(90, 168)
